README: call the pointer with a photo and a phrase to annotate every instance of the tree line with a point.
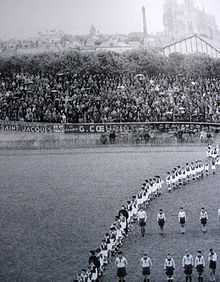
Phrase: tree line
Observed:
(150, 62)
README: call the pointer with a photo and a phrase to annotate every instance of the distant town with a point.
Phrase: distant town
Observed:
(179, 20)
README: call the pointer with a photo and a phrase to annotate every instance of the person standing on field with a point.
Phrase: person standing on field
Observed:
(187, 263)
(161, 219)
(182, 220)
(124, 215)
(146, 264)
(200, 265)
(169, 267)
(142, 219)
(212, 259)
(121, 264)
(203, 219)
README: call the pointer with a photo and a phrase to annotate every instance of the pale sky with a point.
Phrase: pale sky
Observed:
(24, 18)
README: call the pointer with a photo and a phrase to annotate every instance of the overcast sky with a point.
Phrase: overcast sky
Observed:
(24, 18)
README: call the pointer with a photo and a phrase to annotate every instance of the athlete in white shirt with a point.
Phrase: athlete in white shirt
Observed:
(161, 219)
(146, 264)
(92, 272)
(168, 182)
(207, 168)
(187, 263)
(200, 265)
(142, 219)
(184, 176)
(213, 166)
(188, 172)
(203, 219)
(209, 151)
(121, 264)
(159, 182)
(202, 169)
(169, 267)
(217, 160)
(182, 220)
(82, 276)
(212, 259)
(173, 179)
(193, 171)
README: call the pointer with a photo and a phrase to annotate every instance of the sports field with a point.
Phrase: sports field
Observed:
(57, 205)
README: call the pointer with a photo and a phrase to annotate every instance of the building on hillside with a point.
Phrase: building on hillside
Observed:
(183, 18)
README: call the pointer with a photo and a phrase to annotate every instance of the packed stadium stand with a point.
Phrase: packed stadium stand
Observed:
(108, 98)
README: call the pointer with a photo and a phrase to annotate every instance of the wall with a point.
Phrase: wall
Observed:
(18, 135)
(17, 140)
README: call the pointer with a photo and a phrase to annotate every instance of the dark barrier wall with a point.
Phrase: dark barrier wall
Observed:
(45, 135)
(104, 128)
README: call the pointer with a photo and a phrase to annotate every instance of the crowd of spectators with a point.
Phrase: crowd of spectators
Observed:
(99, 98)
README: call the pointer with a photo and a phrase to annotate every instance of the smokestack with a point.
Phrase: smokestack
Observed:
(144, 26)
(144, 22)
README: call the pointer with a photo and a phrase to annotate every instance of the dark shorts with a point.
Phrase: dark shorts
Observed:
(182, 220)
(146, 271)
(169, 272)
(121, 272)
(212, 265)
(203, 221)
(200, 268)
(188, 269)
(161, 222)
(142, 222)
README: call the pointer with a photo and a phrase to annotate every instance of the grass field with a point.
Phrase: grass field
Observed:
(56, 205)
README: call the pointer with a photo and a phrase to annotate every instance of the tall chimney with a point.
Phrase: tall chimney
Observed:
(144, 22)
(144, 27)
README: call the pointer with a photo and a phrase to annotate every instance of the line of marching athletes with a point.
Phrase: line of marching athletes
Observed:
(188, 264)
(169, 265)
(182, 175)
(212, 151)
(182, 219)
(133, 211)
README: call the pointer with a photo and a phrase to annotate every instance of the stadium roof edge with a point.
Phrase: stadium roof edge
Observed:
(200, 37)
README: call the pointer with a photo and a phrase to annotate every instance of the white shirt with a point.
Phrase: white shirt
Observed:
(121, 262)
(213, 257)
(146, 262)
(187, 260)
(199, 261)
(181, 214)
(161, 216)
(142, 215)
(203, 214)
(94, 275)
(169, 263)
